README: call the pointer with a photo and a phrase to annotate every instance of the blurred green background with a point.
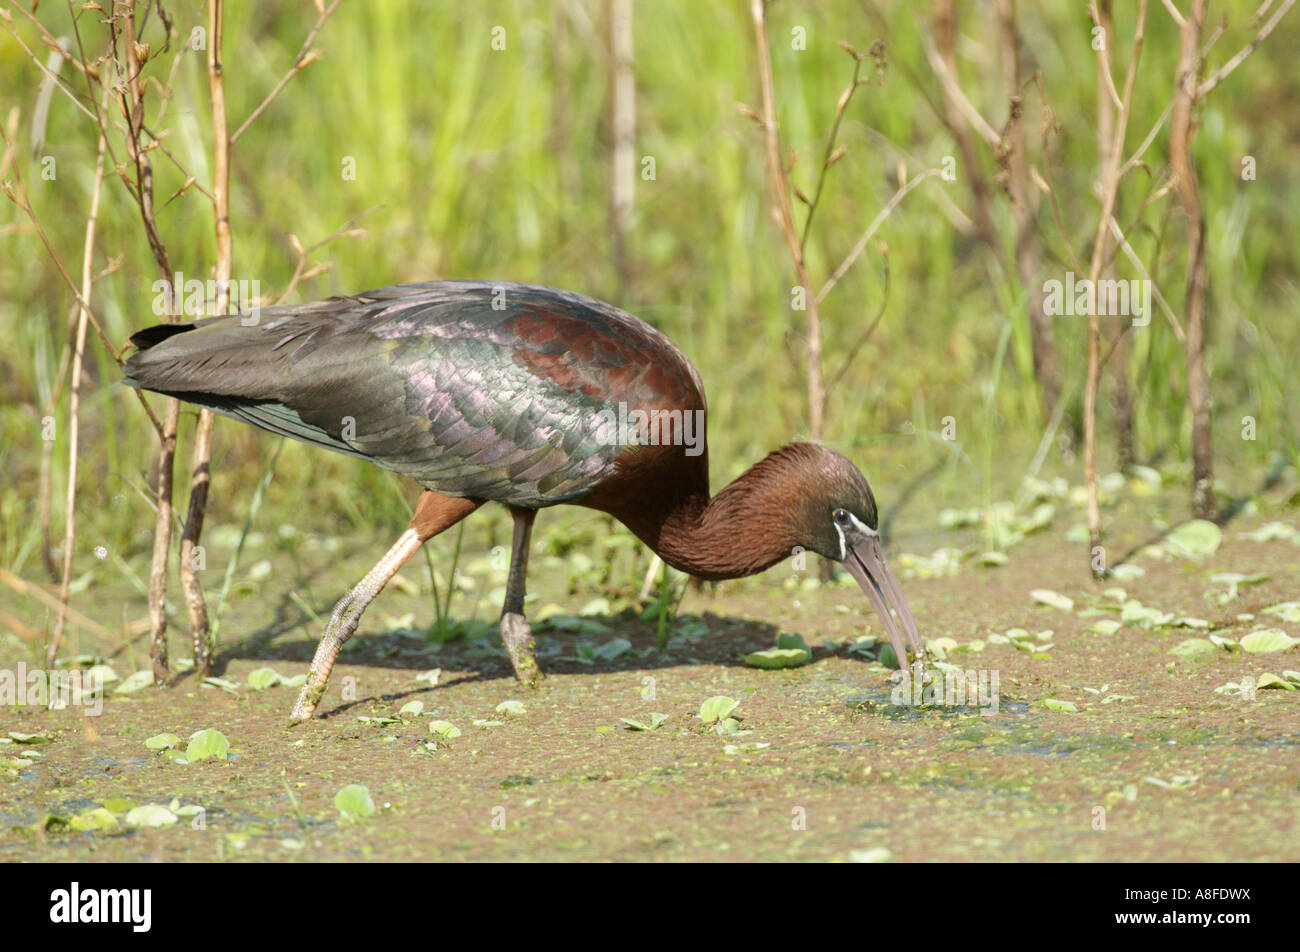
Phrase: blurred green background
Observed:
(472, 162)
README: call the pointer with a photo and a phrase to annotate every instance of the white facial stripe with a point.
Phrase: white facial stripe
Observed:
(861, 527)
(844, 552)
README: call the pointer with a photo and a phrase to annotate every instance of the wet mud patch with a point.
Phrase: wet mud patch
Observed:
(1102, 747)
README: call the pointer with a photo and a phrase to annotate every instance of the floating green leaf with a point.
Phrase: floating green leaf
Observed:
(152, 815)
(1267, 680)
(772, 658)
(230, 687)
(95, 819)
(1048, 597)
(1134, 612)
(135, 682)
(1270, 531)
(1127, 572)
(655, 721)
(444, 729)
(353, 801)
(263, 678)
(729, 726)
(411, 708)
(1177, 782)
(1068, 707)
(511, 707)
(1233, 580)
(716, 708)
(207, 743)
(1195, 540)
(1267, 640)
(162, 741)
(597, 606)
(792, 639)
(190, 809)
(101, 674)
(1193, 646)
(1287, 611)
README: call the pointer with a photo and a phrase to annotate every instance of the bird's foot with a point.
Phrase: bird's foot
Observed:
(307, 701)
(518, 638)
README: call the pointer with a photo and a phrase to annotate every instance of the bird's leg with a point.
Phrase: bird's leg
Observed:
(515, 631)
(433, 513)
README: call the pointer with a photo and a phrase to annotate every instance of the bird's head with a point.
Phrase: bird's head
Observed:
(837, 517)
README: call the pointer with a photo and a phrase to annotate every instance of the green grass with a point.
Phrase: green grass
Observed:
(459, 174)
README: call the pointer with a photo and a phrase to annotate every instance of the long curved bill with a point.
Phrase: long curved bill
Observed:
(866, 563)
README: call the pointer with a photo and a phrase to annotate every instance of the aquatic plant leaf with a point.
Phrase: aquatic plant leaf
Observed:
(354, 801)
(1195, 540)
(1048, 597)
(207, 743)
(773, 658)
(716, 708)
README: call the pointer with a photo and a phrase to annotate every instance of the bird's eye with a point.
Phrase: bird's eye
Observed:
(841, 516)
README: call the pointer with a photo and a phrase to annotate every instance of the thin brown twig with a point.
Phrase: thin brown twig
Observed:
(780, 184)
(133, 109)
(1025, 203)
(53, 44)
(1103, 55)
(74, 405)
(306, 56)
(830, 156)
(17, 193)
(24, 587)
(958, 98)
(1049, 186)
(1186, 99)
(1109, 192)
(871, 230)
(46, 476)
(870, 329)
(201, 463)
(1222, 73)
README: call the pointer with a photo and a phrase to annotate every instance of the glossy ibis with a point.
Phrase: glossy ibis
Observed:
(516, 394)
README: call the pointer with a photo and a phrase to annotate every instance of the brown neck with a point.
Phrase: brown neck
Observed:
(744, 529)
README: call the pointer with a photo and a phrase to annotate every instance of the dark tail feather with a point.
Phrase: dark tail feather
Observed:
(240, 391)
(157, 334)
